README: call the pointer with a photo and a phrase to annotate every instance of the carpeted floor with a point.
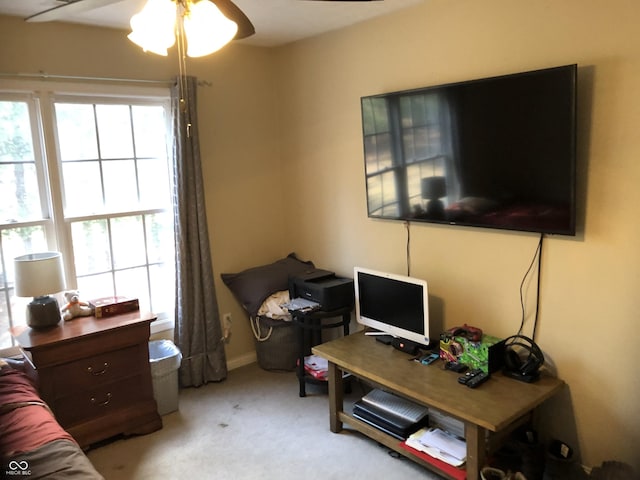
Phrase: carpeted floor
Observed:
(251, 426)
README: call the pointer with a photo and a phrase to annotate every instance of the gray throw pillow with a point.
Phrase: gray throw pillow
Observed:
(252, 286)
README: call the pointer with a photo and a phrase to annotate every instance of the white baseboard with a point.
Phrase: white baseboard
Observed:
(241, 361)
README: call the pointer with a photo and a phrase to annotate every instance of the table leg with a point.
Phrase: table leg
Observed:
(336, 397)
(301, 354)
(476, 449)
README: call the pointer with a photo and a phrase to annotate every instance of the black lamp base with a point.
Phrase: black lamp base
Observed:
(43, 312)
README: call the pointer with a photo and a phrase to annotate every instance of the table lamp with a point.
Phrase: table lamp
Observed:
(38, 275)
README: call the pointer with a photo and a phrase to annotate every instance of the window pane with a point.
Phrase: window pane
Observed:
(96, 286)
(120, 187)
(160, 238)
(149, 132)
(82, 188)
(15, 242)
(162, 288)
(6, 292)
(20, 241)
(19, 193)
(5, 336)
(76, 131)
(134, 283)
(127, 236)
(153, 177)
(91, 247)
(114, 129)
(15, 133)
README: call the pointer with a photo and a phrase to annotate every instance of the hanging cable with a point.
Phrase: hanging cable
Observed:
(535, 321)
(536, 256)
(407, 225)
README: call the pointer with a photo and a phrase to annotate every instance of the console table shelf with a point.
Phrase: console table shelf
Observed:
(497, 406)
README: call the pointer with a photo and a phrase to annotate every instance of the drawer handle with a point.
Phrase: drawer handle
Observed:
(101, 404)
(100, 372)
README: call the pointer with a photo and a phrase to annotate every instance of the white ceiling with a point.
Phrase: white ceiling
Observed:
(277, 22)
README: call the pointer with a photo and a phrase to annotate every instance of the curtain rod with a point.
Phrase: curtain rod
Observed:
(47, 76)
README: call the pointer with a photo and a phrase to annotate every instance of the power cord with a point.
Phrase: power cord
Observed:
(536, 256)
(407, 225)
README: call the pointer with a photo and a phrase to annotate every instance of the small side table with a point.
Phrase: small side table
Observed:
(310, 326)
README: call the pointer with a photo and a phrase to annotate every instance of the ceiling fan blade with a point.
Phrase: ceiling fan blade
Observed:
(70, 8)
(232, 12)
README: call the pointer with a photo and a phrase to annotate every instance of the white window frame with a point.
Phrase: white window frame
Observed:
(41, 97)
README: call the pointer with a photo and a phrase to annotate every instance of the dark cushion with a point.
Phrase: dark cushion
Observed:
(251, 287)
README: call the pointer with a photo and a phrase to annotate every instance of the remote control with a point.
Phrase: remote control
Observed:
(469, 375)
(429, 358)
(456, 367)
(477, 380)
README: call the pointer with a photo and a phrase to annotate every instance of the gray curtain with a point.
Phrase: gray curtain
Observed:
(198, 332)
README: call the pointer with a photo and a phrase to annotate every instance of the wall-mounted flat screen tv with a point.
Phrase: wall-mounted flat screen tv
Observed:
(496, 152)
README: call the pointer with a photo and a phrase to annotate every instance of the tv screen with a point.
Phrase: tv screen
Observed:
(393, 304)
(496, 152)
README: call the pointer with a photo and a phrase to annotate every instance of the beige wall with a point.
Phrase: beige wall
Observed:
(588, 310)
(589, 307)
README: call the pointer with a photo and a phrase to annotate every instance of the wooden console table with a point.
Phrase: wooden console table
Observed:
(497, 406)
(95, 375)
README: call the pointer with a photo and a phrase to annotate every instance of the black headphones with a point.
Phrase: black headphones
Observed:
(522, 358)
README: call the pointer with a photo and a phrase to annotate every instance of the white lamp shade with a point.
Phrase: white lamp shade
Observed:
(207, 29)
(39, 274)
(153, 28)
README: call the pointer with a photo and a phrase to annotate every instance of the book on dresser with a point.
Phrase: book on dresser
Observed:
(108, 306)
(390, 413)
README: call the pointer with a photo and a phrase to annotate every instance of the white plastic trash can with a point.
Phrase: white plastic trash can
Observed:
(165, 359)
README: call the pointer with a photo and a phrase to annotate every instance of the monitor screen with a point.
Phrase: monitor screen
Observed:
(394, 304)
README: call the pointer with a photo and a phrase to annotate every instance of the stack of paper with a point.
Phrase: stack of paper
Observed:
(316, 366)
(301, 304)
(439, 444)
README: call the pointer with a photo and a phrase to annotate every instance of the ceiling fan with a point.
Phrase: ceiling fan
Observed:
(227, 7)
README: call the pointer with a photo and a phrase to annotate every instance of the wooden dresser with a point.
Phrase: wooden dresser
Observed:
(95, 374)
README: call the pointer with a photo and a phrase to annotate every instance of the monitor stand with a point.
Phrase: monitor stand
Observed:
(386, 339)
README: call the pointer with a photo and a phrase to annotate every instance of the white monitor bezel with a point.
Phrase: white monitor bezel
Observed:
(385, 327)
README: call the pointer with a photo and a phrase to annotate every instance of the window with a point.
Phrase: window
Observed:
(85, 171)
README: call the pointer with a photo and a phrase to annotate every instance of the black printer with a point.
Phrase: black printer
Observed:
(324, 287)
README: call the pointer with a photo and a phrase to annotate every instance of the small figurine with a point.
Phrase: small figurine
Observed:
(75, 307)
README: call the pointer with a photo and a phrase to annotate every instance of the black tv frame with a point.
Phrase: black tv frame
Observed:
(543, 199)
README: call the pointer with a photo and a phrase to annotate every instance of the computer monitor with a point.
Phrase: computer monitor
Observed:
(394, 304)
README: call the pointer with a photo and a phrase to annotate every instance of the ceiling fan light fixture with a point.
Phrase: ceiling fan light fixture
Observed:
(206, 28)
(153, 28)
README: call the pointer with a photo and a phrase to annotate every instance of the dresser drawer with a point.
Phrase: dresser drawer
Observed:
(90, 372)
(105, 399)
